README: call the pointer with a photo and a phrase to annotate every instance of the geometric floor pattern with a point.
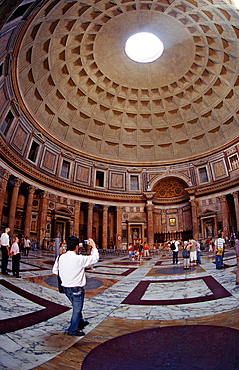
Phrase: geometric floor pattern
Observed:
(128, 304)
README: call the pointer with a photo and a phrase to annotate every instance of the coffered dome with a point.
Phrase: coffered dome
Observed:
(77, 84)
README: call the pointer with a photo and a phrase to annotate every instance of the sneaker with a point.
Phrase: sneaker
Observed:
(83, 324)
(77, 334)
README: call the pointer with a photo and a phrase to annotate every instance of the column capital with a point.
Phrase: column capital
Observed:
(32, 189)
(105, 208)
(90, 206)
(119, 208)
(235, 194)
(222, 198)
(78, 202)
(44, 194)
(149, 207)
(17, 182)
(6, 175)
(193, 202)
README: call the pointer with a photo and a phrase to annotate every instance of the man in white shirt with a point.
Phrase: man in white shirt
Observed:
(71, 267)
(5, 244)
(175, 251)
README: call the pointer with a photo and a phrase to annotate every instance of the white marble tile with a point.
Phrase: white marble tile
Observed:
(13, 305)
(177, 290)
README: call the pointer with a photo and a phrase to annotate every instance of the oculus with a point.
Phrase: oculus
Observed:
(144, 47)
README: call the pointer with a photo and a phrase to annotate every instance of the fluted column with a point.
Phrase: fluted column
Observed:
(3, 187)
(13, 205)
(77, 218)
(42, 216)
(180, 219)
(225, 221)
(105, 227)
(235, 197)
(27, 228)
(118, 227)
(90, 220)
(195, 225)
(150, 221)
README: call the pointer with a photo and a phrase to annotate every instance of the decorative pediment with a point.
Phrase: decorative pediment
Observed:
(208, 213)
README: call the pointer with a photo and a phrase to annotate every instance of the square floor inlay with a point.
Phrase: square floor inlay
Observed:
(206, 288)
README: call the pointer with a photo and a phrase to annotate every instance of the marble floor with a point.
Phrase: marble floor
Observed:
(122, 297)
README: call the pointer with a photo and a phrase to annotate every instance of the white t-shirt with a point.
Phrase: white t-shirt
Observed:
(220, 242)
(4, 240)
(27, 243)
(15, 248)
(72, 267)
(176, 246)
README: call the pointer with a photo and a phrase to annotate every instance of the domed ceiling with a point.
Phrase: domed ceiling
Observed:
(77, 83)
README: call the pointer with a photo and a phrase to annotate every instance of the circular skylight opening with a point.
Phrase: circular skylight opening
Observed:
(144, 47)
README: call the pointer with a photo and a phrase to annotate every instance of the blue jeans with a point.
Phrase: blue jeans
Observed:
(199, 257)
(76, 296)
(219, 262)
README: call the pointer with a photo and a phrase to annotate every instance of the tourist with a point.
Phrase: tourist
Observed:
(71, 267)
(146, 249)
(16, 256)
(193, 251)
(27, 245)
(186, 256)
(220, 245)
(5, 244)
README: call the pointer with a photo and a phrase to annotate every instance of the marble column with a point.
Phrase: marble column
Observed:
(77, 218)
(90, 220)
(163, 221)
(150, 221)
(225, 221)
(195, 220)
(105, 227)
(42, 218)
(13, 205)
(118, 227)
(27, 227)
(235, 197)
(3, 187)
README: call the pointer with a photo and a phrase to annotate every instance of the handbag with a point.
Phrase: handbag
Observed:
(60, 287)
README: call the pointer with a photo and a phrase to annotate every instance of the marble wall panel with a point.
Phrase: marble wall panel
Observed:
(19, 138)
(82, 174)
(49, 160)
(117, 181)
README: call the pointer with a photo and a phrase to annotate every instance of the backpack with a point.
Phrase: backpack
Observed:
(172, 246)
(185, 253)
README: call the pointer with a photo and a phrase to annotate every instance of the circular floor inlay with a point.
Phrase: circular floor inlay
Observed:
(202, 347)
(90, 283)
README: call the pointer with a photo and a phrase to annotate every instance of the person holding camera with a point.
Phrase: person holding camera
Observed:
(71, 267)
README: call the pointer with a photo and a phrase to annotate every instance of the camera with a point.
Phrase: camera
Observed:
(86, 250)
